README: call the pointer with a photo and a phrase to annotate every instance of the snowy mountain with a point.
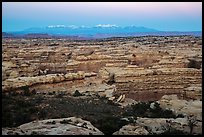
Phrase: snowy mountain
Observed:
(97, 31)
(85, 30)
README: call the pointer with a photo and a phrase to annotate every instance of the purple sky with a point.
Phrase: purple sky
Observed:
(170, 16)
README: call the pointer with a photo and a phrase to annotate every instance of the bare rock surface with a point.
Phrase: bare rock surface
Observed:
(62, 126)
(192, 107)
(161, 125)
(139, 67)
(131, 130)
(118, 71)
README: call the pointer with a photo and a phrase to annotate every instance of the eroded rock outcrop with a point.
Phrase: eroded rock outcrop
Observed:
(191, 107)
(122, 70)
(62, 126)
(162, 125)
(131, 130)
(139, 67)
(151, 84)
(12, 84)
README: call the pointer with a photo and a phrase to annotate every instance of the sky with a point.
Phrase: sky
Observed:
(164, 16)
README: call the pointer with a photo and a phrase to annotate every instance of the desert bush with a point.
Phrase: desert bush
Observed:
(51, 122)
(180, 116)
(111, 79)
(142, 109)
(77, 93)
(65, 121)
(173, 131)
(42, 114)
(194, 64)
(110, 124)
(34, 133)
(26, 91)
(191, 122)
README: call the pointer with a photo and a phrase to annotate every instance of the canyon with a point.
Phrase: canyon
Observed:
(118, 71)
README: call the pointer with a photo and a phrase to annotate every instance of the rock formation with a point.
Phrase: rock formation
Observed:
(62, 126)
(191, 107)
(122, 70)
(131, 130)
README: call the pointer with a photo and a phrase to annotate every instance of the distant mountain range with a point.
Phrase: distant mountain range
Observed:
(84, 30)
(98, 31)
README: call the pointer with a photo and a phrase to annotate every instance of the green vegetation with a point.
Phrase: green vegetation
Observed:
(51, 122)
(26, 91)
(16, 110)
(110, 124)
(34, 133)
(191, 123)
(104, 115)
(173, 131)
(194, 64)
(77, 93)
(142, 109)
(65, 121)
(112, 79)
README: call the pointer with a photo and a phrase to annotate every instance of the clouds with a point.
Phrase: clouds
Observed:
(21, 15)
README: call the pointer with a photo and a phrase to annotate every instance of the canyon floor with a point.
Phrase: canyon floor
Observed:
(115, 86)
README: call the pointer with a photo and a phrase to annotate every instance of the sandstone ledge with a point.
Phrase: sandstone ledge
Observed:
(11, 84)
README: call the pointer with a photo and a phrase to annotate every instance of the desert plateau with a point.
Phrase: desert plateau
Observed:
(143, 85)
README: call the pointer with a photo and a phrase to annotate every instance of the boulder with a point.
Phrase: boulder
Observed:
(131, 130)
(191, 107)
(62, 126)
(162, 125)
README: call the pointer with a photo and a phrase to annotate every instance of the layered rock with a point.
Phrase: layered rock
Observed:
(12, 84)
(151, 84)
(142, 68)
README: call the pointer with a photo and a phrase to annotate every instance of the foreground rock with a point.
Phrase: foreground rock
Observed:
(182, 106)
(162, 125)
(63, 126)
(131, 130)
(187, 119)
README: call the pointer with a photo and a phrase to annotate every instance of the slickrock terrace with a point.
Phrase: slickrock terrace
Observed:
(143, 68)
(122, 70)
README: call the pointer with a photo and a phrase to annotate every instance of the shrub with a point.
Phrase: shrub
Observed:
(77, 93)
(65, 121)
(180, 116)
(142, 109)
(34, 133)
(43, 113)
(110, 124)
(111, 79)
(194, 64)
(173, 131)
(191, 122)
(26, 91)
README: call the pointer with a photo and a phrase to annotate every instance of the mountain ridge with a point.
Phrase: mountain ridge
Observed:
(85, 30)
(97, 31)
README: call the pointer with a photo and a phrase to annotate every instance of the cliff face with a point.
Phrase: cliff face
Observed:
(151, 84)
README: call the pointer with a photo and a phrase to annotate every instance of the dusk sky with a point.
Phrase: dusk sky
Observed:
(164, 16)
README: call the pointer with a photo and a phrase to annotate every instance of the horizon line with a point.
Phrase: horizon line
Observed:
(99, 26)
